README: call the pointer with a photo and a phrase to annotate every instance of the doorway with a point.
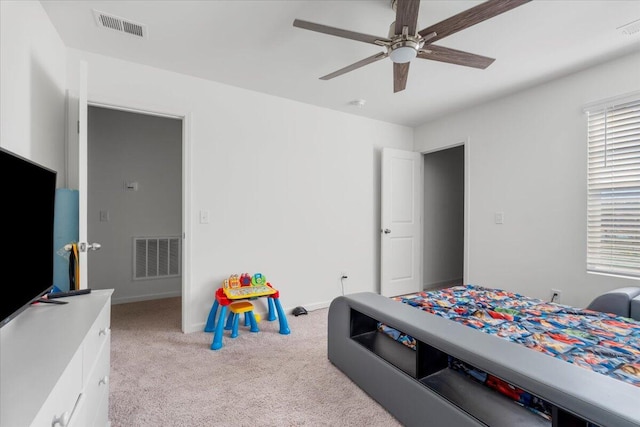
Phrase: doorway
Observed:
(135, 203)
(444, 218)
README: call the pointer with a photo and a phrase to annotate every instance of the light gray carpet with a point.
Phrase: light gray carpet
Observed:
(162, 377)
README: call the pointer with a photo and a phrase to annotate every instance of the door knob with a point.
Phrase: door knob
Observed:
(386, 231)
(62, 420)
(84, 247)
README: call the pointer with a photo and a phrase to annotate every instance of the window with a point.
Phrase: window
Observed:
(613, 187)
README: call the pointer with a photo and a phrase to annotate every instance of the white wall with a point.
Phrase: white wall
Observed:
(292, 189)
(528, 160)
(124, 147)
(32, 85)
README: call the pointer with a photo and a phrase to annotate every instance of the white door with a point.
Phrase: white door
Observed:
(401, 224)
(77, 174)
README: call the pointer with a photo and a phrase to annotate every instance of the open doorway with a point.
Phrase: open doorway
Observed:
(135, 203)
(443, 218)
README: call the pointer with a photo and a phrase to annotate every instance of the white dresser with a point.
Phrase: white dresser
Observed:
(54, 364)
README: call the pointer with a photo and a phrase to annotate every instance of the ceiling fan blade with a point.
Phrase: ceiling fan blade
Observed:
(470, 17)
(458, 57)
(338, 32)
(407, 14)
(362, 63)
(400, 75)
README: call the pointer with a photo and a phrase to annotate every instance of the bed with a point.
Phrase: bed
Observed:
(478, 356)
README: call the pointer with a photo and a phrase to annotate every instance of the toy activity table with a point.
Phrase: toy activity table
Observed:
(225, 296)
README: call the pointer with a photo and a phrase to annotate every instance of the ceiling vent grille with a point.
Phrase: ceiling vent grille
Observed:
(122, 25)
(630, 28)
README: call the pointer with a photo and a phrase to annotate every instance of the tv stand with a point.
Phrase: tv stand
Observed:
(54, 364)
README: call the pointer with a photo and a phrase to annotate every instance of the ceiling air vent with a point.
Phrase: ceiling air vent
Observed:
(630, 28)
(122, 25)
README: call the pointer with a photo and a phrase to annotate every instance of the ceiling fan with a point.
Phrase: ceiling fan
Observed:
(405, 42)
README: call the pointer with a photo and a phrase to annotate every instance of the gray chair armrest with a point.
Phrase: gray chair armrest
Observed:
(616, 301)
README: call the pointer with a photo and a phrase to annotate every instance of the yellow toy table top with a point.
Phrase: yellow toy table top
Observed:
(249, 292)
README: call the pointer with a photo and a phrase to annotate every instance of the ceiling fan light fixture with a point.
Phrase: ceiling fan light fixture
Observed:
(403, 51)
(403, 54)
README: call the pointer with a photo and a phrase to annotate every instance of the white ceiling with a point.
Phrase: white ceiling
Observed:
(253, 45)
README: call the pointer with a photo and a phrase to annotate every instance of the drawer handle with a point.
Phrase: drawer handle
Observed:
(62, 420)
(104, 331)
(104, 380)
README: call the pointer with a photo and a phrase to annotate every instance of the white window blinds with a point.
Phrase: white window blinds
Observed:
(613, 208)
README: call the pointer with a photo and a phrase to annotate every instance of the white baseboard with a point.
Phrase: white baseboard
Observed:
(317, 306)
(147, 297)
(263, 312)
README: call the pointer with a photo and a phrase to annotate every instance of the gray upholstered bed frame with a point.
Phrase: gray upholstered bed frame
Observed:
(623, 302)
(419, 390)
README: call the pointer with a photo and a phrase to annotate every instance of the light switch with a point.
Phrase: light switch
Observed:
(499, 217)
(204, 217)
(104, 216)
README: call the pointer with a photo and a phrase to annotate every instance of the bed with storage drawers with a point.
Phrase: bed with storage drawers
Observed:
(439, 358)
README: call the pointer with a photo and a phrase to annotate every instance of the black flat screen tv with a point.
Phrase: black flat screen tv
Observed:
(28, 203)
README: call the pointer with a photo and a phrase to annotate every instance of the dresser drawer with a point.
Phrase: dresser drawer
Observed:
(98, 336)
(102, 413)
(62, 400)
(96, 388)
(79, 418)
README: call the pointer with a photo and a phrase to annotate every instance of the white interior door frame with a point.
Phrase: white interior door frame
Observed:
(467, 199)
(76, 161)
(97, 100)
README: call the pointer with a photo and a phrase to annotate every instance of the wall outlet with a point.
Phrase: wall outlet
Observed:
(343, 276)
(555, 295)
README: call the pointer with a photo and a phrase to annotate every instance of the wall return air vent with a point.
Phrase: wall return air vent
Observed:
(122, 25)
(156, 257)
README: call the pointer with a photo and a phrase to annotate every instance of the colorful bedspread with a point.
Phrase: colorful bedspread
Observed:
(602, 342)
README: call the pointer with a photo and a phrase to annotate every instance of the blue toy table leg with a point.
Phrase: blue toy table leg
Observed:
(272, 315)
(254, 324)
(217, 336)
(229, 324)
(284, 325)
(234, 328)
(211, 321)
